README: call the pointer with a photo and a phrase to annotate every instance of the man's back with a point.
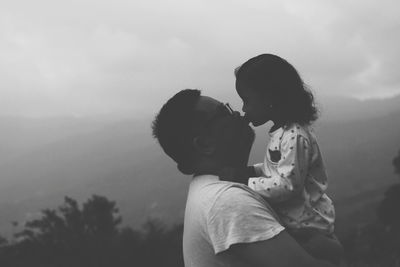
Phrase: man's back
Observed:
(219, 214)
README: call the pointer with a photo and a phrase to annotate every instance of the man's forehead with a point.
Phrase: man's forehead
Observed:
(207, 104)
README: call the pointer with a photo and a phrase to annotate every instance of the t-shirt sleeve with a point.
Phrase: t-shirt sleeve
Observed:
(240, 216)
(291, 169)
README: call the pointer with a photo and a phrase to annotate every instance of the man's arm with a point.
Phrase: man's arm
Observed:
(280, 251)
(242, 223)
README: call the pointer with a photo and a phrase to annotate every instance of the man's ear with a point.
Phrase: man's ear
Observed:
(204, 145)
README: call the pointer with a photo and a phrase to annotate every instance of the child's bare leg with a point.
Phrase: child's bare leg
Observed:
(321, 245)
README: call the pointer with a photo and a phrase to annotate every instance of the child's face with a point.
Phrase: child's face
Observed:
(256, 106)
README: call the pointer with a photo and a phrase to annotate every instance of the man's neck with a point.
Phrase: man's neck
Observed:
(207, 167)
(205, 172)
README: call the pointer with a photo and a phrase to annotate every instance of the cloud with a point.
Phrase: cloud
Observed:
(98, 57)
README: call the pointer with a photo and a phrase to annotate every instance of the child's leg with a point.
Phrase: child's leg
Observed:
(320, 245)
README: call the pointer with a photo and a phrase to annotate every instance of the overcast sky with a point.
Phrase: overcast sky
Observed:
(87, 57)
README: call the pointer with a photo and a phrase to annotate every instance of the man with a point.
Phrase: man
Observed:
(226, 224)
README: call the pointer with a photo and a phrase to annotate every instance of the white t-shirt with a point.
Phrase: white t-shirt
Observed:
(219, 214)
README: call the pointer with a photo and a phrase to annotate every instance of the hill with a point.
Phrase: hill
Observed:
(119, 159)
(341, 109)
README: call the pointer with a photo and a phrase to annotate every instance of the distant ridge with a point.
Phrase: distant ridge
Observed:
(336, 108)
(119, 159)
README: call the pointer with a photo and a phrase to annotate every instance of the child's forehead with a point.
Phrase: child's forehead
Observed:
(244, 89)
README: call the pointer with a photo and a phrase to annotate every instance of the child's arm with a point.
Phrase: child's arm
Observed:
(289, 173)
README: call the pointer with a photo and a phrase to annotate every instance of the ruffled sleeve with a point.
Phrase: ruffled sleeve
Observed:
(289, 172)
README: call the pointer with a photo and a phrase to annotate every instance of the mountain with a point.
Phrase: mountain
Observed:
(118, 158)
(22, 134)
(340, 108)
(337, 108)
(120, 161)
(359, 154)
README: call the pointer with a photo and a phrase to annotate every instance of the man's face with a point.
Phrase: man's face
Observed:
(232, 134)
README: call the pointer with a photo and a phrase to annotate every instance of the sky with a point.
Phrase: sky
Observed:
(83, 57)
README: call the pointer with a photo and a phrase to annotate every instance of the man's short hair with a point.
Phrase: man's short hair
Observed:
(173, 128)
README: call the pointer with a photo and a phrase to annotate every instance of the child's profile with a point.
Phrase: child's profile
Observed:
(292, 176)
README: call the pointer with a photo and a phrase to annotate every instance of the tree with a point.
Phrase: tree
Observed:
(101, 218)
(3, 241)
(389, 208)
(90, 236)
(70, 235)
(389, 215)
(396, 163)
(377, 243)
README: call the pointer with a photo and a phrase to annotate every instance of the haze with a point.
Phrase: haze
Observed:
(95, 57)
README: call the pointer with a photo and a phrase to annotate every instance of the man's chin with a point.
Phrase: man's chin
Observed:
(252, 136)
(249, 136)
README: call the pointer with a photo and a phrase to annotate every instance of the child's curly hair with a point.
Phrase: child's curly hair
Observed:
(274, 76)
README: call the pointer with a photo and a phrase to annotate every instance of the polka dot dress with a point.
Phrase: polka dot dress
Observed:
(294, 180)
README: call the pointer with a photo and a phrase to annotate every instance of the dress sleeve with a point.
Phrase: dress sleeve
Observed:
(288, 175)
(239, 216)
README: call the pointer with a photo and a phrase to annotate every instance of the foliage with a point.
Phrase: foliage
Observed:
(396, 163)
(91, 236)
(377, 243)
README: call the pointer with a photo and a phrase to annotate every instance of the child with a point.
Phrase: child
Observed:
(292, 177)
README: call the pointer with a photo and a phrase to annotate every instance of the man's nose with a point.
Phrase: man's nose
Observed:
(237, 115)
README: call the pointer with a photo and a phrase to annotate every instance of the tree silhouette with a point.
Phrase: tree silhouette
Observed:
(167, 242)
(389, 215)
(100, 218)
(396, 163)
(90, 236)
(389, 208)
(377, 243)
(70, 235)
(3, 241)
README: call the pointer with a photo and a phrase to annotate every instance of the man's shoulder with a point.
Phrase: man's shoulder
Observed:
(239, 197)
(225, 187)
(238, 191)
(213, 190)
(228, 213)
